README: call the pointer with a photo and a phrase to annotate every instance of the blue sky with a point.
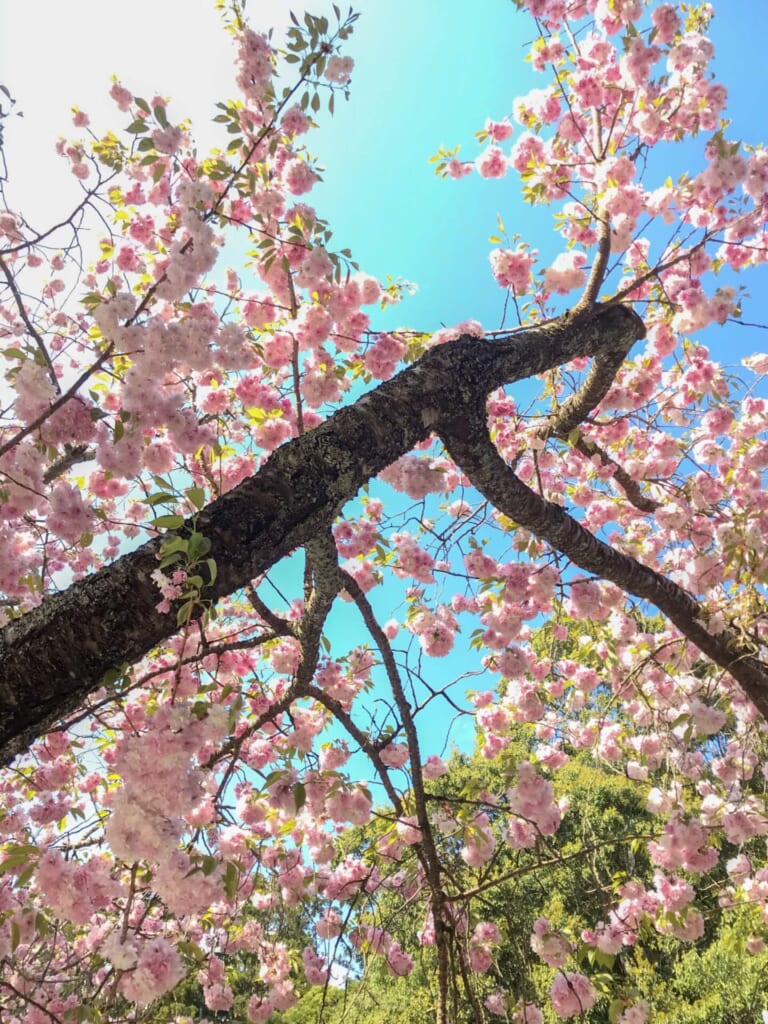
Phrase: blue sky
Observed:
(427, 75)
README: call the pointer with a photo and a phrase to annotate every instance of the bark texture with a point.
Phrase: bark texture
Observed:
(54, 656)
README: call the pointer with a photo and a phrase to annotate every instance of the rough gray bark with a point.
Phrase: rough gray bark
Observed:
(57, 654)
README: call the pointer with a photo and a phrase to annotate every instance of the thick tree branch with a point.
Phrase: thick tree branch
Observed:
(467, 439)
(55, 655)
(326, 583)
(575, 409)
(565, 422)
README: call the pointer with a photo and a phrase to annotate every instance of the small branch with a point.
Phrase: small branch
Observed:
(747, 323)
(630, 487)
(588, 300)
(281, 626)
(581, 403)
(565, 422)
(654, 272)
(31, 329)
(235, 743)
(362, 739)
(29, 243)
(552, 862)
(61, 400)
(73, 455)
(431, 858)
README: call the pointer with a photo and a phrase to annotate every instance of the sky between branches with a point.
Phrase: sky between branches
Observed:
(426, 74)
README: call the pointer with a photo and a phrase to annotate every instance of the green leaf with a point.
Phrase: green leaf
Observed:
(17, 854)
(25, 876)
(168, 522)
(274, 777)
(198, 546)
(160, 114)
(112, 675)
(299, 795)
(208, 864)
(196, 495)
(191, 950)
(184, 613)
(615, 1009)
(231, 880)
(174, 545)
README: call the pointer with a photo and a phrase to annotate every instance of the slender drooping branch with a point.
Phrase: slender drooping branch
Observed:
(630, 486)
(10, 281)
(427, 848)
(575, 409)
(70, 393)
(467, 439)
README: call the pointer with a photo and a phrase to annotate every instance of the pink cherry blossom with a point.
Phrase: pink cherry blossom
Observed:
(571, 994)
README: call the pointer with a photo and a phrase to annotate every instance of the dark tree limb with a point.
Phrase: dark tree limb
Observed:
(469, 444)
(55, 655)
(566, 421)
(630, 486)
(575, 409)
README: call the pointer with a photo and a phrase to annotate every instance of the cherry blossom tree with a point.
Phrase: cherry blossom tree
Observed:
(200, 476)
